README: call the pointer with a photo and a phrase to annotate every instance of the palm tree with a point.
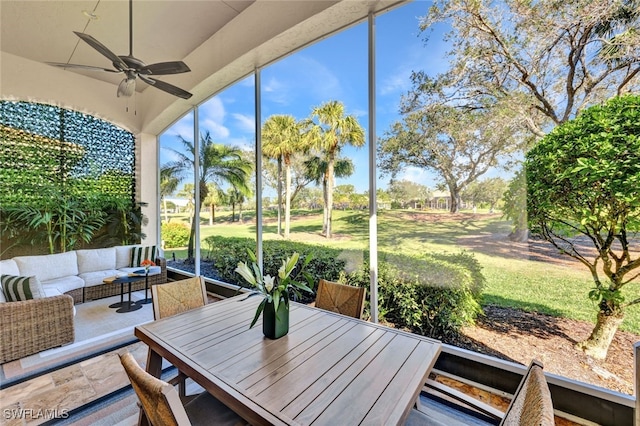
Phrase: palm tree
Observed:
(282, 137)
(218, 163)
(215, 197)
(187, 192)
(316, 169)
(235, 198)
(168, 184)
(333, 131)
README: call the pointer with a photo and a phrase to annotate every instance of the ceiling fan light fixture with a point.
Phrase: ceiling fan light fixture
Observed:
(126, 87)
(131, 66)
(91, 15)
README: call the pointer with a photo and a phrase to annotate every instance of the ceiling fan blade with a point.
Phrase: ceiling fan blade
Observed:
(117, 62)
(84, 67)
(169, 88)
(163, 68)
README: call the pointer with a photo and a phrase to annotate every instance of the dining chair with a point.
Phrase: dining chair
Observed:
(173, 298)
(340, 298)
(162, 404)
(531, 405)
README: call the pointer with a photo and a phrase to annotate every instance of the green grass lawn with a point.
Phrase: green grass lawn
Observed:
(512, 280)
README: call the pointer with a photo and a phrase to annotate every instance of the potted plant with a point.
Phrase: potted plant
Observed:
(275, 292)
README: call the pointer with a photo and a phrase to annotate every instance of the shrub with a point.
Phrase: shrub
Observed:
(175, 235)
(434, 295)
(225, 253)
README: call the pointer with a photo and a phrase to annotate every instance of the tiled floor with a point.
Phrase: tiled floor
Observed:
(42, 398)
(38, 400)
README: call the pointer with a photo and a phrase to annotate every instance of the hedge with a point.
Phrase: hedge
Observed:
(433, 295)
(225, 253)
(175, 234)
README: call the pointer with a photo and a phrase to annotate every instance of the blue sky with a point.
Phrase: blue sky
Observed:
(332, 69)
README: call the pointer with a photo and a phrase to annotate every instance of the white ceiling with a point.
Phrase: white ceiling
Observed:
(221, 41)
(42, 31)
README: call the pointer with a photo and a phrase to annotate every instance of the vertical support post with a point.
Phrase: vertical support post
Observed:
(196, 191)
(258, 159)
(636, 369)
(373, 208)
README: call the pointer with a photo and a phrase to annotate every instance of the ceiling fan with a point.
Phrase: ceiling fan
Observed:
(132, 67)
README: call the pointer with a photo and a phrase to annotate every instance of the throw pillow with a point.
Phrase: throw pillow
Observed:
(138, 254)
(21, 288)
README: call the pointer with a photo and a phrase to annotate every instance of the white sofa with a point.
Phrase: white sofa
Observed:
(81, 273)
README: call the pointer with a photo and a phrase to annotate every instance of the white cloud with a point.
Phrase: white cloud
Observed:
(300, 77)
(319, 79)
(418, 175)
(398, 82)
(245, 122)
(183, 127)
(211, 116)
(276, 91)
(358, 113)
(168, 155)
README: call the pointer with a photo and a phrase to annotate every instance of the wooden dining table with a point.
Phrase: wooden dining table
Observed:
(329, 369)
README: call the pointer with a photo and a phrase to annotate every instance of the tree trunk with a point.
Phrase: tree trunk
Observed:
(212, 214)
(598, 343)
(192, 236)
(279, 196)
(454, 207)
(166, 213)
(330, 165)
(287, 199)
(325, 216)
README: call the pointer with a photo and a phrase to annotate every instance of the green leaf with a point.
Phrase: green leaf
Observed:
(258, 312)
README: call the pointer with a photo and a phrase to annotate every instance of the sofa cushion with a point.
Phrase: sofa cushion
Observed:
(9, 267)
(50, 292)
(18, 288)
(140, 253)
(96, 259)
(123, 256)
(97, 277)
(64, 284)
(50, 266)
(2, 298)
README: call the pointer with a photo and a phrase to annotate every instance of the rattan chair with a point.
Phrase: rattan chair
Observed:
(178, 296)
(163, 407)
(173, 298)
(531, 405)
(340, 298)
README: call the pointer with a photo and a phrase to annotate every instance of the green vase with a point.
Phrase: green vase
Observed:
(275, 324)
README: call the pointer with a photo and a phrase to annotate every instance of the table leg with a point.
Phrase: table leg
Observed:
(129, 307)
(121, 304)
(146, 299)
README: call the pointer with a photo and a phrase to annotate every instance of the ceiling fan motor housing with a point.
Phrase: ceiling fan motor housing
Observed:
(134, 64)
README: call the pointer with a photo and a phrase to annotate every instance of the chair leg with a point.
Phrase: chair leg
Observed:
(181, 381)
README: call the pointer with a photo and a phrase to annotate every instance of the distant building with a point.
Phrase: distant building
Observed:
(179, 203)
(440, 200)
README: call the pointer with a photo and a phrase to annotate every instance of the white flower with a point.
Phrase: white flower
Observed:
(282, 273)
(268, 282)
(244, 270)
